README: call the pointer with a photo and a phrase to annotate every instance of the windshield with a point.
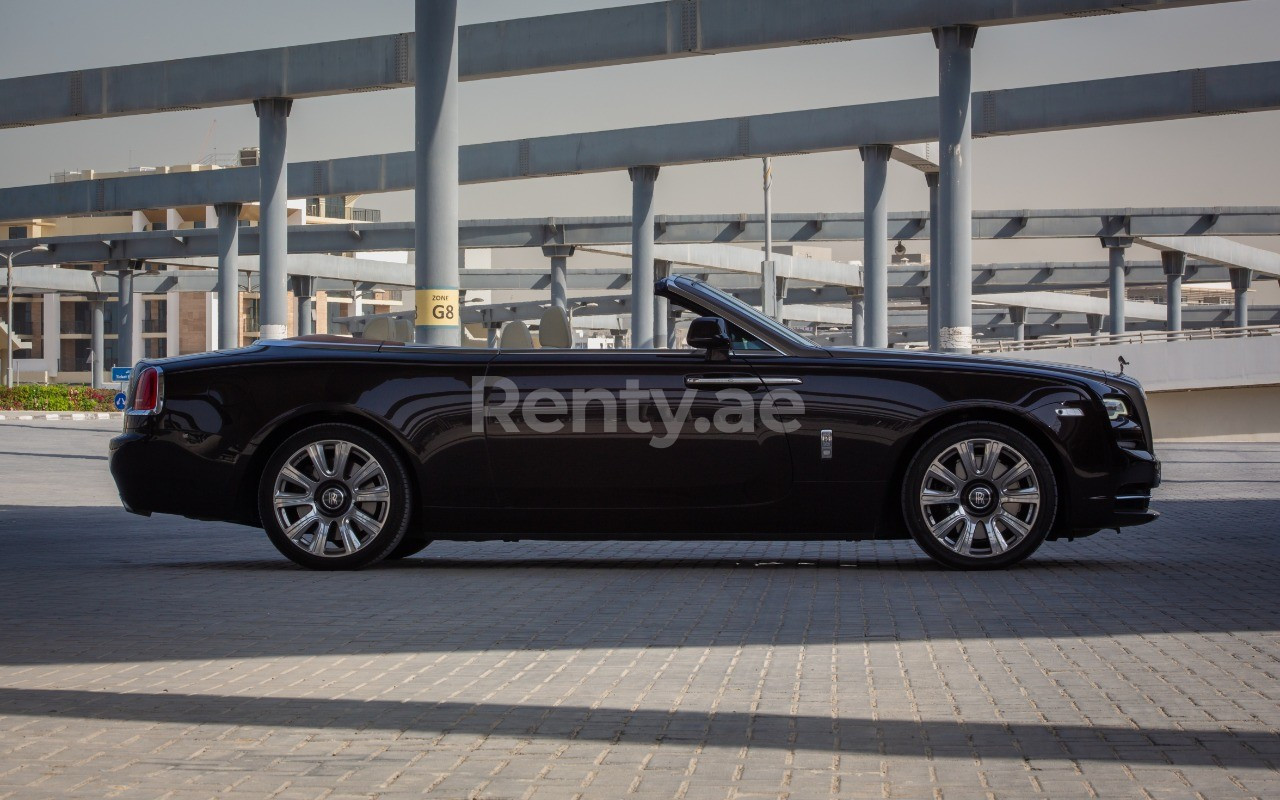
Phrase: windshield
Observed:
(759, 319)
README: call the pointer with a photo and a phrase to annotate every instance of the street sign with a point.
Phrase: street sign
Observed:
(120, 401)
(120, 374)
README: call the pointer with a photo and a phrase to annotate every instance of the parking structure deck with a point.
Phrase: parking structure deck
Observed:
(170, 658)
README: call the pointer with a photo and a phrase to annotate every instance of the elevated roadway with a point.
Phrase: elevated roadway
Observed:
(1110, 101)
(799, 228)
(635, 33)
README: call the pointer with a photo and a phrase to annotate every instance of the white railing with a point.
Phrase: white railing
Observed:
(1137, 337)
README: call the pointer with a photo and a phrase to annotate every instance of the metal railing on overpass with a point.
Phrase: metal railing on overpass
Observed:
(1136, 337)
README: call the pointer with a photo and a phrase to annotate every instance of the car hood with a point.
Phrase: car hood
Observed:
(924, 359)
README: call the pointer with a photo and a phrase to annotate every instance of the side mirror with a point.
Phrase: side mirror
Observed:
(708, 333)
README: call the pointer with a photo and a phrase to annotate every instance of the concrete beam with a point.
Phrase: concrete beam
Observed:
(920, 157)
(335, 273)
(1217, 250)
(1072, 303)
(1056, 276)
(319, 265)
(52, 279)
(739, 259)
(719, 228)
(1110, 101)
(595, 38)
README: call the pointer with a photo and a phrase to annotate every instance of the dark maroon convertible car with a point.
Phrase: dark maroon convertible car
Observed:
(348, 451)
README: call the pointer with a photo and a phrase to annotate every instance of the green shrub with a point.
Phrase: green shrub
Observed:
(55, 397)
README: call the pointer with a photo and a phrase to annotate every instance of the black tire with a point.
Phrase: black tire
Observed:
(998, 518)
(355, 533)
(412, 544)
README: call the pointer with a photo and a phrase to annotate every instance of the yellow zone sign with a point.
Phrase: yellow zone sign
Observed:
(438, 307)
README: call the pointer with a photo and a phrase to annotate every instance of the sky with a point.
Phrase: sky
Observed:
(1227, 160)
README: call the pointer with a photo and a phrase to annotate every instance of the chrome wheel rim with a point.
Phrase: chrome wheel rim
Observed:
(980, 498)
(331, 498)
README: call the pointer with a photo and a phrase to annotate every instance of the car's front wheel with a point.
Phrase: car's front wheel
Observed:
(979, 495)
(412, 544)
(335, 496)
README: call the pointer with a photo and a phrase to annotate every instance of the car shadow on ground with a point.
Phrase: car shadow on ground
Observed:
(163, 589)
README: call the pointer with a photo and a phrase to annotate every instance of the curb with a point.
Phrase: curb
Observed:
(57, 415)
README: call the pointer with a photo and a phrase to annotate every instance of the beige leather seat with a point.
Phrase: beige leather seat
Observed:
(515, 336)
(403, 330)
(554, 329)
(679, 335)
(379, 329)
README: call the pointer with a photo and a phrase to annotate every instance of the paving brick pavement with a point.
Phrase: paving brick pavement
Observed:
(169, 658)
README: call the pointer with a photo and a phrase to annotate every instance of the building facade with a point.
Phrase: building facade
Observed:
(56, 328)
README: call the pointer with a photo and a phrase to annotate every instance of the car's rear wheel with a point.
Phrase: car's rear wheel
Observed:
(979, 495)
(335, 496)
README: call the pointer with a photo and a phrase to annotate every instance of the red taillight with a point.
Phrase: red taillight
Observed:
(147, 395)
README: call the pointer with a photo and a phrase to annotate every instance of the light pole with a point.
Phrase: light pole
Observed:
(8, 320)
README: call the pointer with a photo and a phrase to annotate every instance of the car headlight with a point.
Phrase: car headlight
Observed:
(1116, 408)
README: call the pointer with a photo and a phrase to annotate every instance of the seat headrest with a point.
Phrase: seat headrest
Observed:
(515, 336)
(554, 329)
(403, 330)
(379, 328)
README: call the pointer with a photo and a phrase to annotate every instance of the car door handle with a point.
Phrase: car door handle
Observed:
(744, 381)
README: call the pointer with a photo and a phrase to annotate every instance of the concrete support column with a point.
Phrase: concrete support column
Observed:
(273, 219)
(228, 283)
(130, 322)
(559, 255)
(955, 200)
(1116, 245)
(1175, 267)
(859, 318)
(173, 323)
(1018, 316)
(875, 243)
(303, 291)
(661, 308)
(8, 323)
(97, 343)
(935, 290)
(643, 180)
(211, 316)
(768, 289)
(322, 312)
(53, 333)
(439, 316)
(1241, 280)
(769, 305)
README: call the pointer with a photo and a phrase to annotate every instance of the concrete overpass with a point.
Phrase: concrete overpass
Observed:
(273, 79)
(741, 229)
(596, 38)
